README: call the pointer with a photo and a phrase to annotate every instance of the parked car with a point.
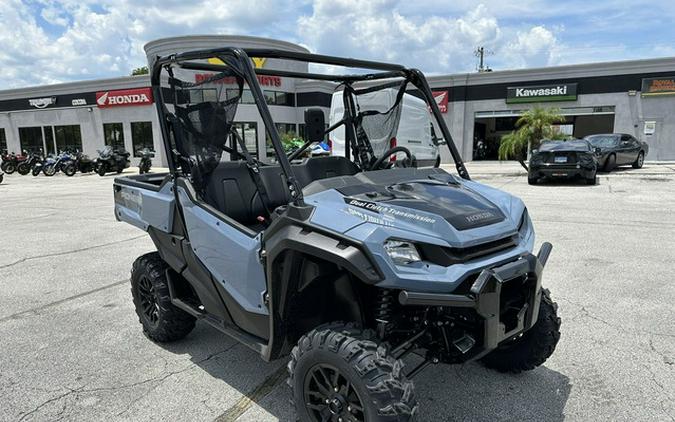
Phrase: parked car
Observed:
(618, 149)
(563, 159)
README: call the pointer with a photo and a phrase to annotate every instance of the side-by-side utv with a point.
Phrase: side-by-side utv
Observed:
(349, 264)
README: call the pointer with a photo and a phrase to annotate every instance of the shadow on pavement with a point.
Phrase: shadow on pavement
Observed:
(468, 392)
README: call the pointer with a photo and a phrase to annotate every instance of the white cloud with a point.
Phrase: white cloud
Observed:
(47, 41)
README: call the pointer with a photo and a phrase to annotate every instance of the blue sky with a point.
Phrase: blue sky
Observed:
(48, 41)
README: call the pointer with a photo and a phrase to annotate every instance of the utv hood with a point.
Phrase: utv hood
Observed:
(462, 208)
(416, 197)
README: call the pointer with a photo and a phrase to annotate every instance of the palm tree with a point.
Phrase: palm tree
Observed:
(533, 126)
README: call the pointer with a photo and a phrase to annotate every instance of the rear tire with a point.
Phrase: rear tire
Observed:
(610, 163)
(369, 381)
(10, 167)
(101, 170)
(532, 180)
(161, 320)
(437, 164)
(640, 161)
(534, 346)
(70, 170)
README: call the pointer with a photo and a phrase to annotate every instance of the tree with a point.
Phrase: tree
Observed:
(143, 70)
(533, 126)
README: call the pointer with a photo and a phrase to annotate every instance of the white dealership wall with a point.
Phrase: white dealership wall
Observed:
(631, 109)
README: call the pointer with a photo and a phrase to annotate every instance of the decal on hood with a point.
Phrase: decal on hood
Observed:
(389, 211)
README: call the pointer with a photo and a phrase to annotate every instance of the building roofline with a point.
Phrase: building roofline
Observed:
(663, 64)
(90, 85)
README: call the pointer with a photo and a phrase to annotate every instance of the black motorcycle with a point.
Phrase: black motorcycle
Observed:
(34, 158)
(83, 163)
(146, 155)
(110, 160)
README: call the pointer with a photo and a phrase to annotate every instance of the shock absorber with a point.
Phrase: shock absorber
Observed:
(384, 302)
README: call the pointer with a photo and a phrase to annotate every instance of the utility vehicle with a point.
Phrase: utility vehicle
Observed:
(347, 263)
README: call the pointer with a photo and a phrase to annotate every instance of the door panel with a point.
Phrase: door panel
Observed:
(230, 255)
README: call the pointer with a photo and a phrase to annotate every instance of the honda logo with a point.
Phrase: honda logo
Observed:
(124, 97)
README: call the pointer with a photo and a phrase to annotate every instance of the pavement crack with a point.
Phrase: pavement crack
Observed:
(61, 301)
(258, 393)
(51, 255)
(46, 402)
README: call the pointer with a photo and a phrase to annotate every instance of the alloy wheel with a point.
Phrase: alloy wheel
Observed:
(330, 396)
(149, 304)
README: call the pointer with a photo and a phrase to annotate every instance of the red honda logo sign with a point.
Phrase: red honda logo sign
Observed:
(124, 97)
(441, 98)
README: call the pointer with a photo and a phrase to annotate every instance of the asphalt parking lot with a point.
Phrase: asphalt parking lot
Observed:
(71, 347)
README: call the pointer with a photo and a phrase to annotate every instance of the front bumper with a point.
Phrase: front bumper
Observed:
(485, 297)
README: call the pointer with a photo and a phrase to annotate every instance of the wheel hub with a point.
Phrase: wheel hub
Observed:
(330, 396)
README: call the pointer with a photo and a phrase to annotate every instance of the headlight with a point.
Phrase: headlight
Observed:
(402, 252)
(524, 225)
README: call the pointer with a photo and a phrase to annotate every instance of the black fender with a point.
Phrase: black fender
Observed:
(289, 239)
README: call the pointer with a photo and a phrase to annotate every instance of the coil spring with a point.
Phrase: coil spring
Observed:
(384, 306)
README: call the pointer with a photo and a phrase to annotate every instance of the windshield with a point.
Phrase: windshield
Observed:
(603, 141)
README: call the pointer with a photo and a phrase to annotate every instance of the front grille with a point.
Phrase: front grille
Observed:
(448, 256)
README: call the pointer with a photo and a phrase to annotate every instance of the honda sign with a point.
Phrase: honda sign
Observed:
(124, 97)
(441, 98)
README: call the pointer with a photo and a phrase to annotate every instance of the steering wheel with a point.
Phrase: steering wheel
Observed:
(391, 151)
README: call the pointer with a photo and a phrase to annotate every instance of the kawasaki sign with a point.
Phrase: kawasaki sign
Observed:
(541, 93)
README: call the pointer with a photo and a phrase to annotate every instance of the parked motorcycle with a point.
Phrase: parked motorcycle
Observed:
(63, 162)
(146, 155)
(11, 161)
(110, 160)
(83, 163)
(34, 158)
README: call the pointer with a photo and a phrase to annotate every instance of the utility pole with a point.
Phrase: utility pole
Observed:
(481, 52)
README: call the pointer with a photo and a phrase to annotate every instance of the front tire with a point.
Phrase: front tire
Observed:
(593, 180)
(610, 163)
(640, 161)
(162, 321)
(101, 170)
(337, 373)
(36, 170)
(49, 171)
(532, 180)
(534, 346)
(23, 168)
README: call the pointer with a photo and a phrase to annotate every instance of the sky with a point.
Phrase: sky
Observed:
(45, 42)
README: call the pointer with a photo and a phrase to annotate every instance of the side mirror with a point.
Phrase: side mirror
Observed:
(534, 151)
(597, 150)
(315, 124)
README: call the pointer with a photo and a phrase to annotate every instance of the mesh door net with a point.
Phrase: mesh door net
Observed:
(201, 109)
(378, 117)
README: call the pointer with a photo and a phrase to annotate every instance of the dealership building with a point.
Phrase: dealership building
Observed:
(633, 97)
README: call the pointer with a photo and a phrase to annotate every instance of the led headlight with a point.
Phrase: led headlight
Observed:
(402, 252)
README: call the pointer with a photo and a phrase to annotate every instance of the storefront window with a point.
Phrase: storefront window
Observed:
(279, 98)
(68, 138)
(3, 140)
(249, 133)
(113, 135)
(288, 136)
(141, 136)
(30, 138)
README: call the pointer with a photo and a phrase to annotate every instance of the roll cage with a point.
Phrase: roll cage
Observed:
(237, 61)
